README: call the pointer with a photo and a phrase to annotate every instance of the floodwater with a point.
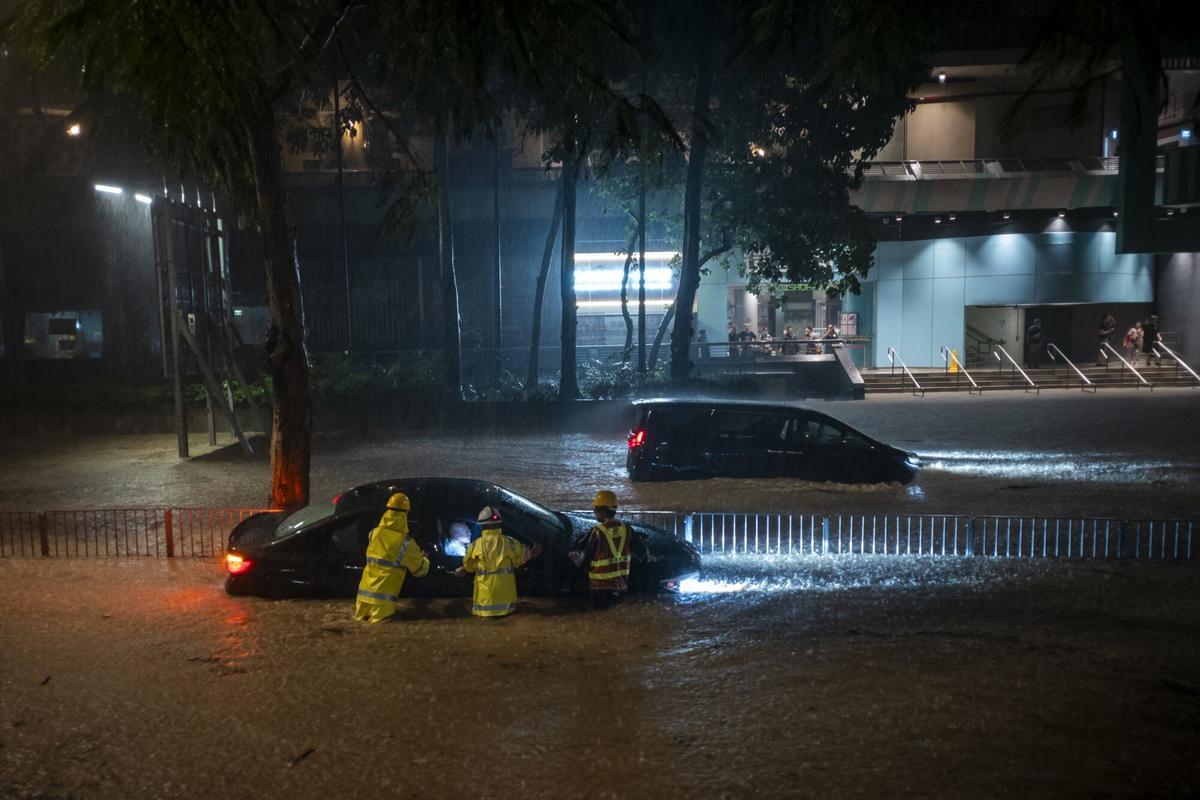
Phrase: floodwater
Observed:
(818, 676)
(1120, 453)
(766, 677)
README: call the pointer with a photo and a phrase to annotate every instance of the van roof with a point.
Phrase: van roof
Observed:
(744, 405)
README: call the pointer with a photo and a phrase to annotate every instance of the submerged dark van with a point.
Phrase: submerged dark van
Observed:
(685, 439)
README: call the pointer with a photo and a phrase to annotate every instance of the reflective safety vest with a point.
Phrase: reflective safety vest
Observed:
(391, 554)
(494, 559)
(611, 558)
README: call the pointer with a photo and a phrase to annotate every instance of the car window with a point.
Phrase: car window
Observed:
(678, 418)
(855, 439)
(830, 434)
(345, 534)
(802, 430)
(739, 429)
(302, 518)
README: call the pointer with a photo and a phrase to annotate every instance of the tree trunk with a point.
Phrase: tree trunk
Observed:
(628, 349)
(12, 328)
(568, 386)
(689, 278)
(663, 326)
(497, 277)
(451, 323)
(641, 234)
(286, 358)
(539, 295)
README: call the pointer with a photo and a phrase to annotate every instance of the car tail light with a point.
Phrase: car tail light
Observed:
(637, 438)
(237, 564)
(336, 499)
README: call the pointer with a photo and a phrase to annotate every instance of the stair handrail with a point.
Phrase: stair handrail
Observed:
(1052, 348)
(1179, 362)
(981, 339)
(949, 355)
(1017, 367)
(1141, 378)
(893, 357)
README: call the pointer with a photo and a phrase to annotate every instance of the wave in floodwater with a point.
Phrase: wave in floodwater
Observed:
(1043, 466)
(757, 574)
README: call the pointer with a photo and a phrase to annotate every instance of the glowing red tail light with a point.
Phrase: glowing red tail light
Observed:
(637, 438)
(336, 499)
(237, 564)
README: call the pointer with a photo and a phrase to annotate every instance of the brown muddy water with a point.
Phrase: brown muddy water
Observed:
(867, 677)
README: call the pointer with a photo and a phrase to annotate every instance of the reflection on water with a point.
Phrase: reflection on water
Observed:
(756, 574)
(1099, 467)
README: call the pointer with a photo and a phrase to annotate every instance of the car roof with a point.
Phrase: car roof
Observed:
(414, 483)
(740, 405)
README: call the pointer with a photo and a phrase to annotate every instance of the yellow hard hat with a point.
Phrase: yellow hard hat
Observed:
(605, 499)
(398, 502)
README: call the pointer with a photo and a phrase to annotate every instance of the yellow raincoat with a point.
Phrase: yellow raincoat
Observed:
(391, 554)
(494, 559)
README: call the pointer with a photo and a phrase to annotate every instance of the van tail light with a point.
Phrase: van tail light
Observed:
(237, 564)
(637, 438)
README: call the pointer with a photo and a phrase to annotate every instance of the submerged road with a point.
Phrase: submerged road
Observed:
(871, 677)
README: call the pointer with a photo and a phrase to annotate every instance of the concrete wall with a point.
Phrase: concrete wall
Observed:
(1179, 301)
(921, 288)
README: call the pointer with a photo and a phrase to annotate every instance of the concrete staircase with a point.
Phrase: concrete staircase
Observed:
(884, 381)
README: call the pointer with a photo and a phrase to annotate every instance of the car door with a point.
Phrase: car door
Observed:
(680, 438)
(841, 452)
(344, 540)
(747, 442)
(800, 446)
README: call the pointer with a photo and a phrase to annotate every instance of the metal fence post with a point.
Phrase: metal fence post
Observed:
(969, 537)
(43, 534)
(168, 529)
(1124, 540)
(824, 535)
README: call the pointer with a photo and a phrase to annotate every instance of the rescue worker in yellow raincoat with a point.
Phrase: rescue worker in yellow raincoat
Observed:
(494, 558)
(391, 554)
(608, 552)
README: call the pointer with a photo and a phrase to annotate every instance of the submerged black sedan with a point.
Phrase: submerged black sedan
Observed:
(320, 549)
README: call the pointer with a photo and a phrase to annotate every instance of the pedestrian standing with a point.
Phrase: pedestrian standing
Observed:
(1151, 336)
(494, 559)
(702, 348)
(1132, 343)
(391, 555)
(789, 347)
(1108, 326)
(830, 337)
(810, 338)
(1033, 345)
(765, 336)
(745, 337)
(732, 336)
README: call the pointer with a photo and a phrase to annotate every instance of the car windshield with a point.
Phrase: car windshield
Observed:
(304, 516)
